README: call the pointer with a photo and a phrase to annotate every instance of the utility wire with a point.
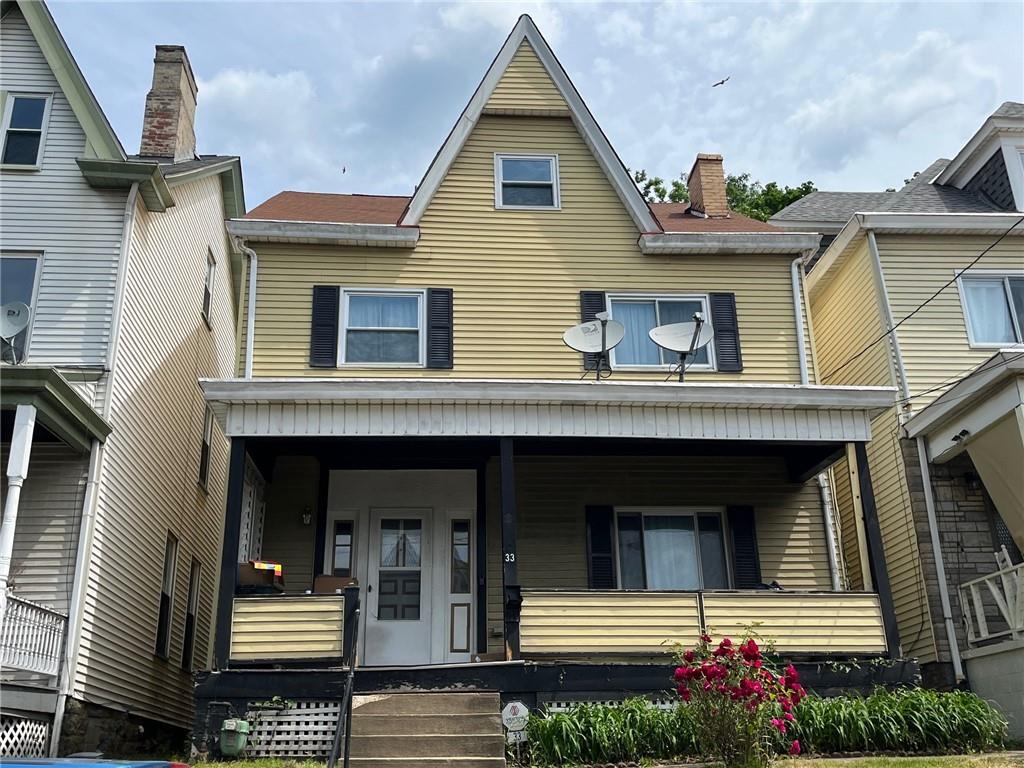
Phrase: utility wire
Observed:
(953, 381)
(923, 304)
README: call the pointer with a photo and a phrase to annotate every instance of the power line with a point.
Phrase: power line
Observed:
(954, 380)
(923, 304)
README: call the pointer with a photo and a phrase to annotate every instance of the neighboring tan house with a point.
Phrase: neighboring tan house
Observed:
(409, 433)
(942, 262)
(114, 476)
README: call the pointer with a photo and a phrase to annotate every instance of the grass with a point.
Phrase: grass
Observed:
(1002, 760)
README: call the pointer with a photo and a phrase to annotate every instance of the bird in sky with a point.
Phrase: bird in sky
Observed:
(721, 82)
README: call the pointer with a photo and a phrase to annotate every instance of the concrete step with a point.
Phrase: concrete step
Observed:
(428, 762)
(422, 725)
(446, 745)
(417, 703)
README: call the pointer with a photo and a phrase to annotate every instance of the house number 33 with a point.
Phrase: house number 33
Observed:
(510, 557)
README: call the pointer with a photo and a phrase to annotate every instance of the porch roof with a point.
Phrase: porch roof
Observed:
(543, 408)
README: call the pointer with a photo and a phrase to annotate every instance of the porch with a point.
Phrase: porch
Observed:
(606, 524)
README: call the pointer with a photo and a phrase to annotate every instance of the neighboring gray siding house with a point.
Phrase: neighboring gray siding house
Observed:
(113, 472)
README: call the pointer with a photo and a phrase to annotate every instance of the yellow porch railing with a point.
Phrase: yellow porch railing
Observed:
(281, 628)
(619, 622)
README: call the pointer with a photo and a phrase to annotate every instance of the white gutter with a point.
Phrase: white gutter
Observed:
(327, 232)
(940, 568)
(899, 371)
(87, 526)
(725, 243)
(796, 269)
(250, 318)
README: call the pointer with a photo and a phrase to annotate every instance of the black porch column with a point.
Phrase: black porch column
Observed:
(876, 553)
(229, 553)
(510, 568)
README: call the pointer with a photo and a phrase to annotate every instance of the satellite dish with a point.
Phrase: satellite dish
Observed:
(587, 337)
(14, 318)
(682, 337)
(596, 338)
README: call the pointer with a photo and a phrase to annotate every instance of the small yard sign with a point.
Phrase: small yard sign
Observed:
(515, 715)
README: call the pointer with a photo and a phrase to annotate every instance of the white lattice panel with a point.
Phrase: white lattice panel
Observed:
(305, 730)
(23, 737)
(564, 706)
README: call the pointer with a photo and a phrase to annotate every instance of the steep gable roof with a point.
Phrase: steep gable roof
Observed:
(525, 33)
(100, 136)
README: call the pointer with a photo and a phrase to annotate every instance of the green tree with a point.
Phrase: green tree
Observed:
(751, 198)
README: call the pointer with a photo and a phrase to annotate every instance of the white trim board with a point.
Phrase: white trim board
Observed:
(592, 134)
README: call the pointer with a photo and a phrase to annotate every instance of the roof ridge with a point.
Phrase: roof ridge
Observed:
(338, 194)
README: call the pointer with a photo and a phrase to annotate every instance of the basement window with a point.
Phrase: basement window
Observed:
(24, 128)
(528, 182)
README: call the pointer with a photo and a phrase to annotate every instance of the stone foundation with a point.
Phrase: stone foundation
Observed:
(92, 728)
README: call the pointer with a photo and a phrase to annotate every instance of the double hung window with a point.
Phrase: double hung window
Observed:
(383, 327)
(526, 181)
(639, 314)
(24, 128)
(671, 548)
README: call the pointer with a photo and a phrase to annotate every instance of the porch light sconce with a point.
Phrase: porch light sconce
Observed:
(307, 516)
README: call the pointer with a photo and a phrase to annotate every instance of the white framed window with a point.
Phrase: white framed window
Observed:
(211, 271)
(993, 308)
(204, 450)
(672, 548)
(343, 548)
(19, 283)
(24, 129)
(163, 626)
(639, 313)
(382, 327)
(527, 182)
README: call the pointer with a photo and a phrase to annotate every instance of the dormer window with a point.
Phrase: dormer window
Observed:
(527, 182)
(24, 126)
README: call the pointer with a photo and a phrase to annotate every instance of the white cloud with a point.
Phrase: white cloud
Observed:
(471, 16)
(898, 90)
(620, 28)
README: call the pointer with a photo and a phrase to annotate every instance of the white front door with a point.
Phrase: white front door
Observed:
(408, 536)
(398, 595)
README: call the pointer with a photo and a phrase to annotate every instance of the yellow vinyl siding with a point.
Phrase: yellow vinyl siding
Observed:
(800, 623)
(843, 501)
(553, 493)
(517, 275)
(934, 343)
(304, 627)
(285, 539)
(526, 87)
(848, 316)
(572, 623)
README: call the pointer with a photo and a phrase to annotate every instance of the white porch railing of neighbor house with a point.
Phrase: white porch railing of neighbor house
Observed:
(1005, 590)
(32, 637)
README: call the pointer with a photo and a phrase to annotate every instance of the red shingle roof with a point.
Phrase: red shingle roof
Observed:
(341, 209)
(388, 209)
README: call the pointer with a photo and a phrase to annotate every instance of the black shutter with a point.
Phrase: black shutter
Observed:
(591, 302)
(323, 332)
(727, 332)
(439, 328)
(746, 565)
(600, 549)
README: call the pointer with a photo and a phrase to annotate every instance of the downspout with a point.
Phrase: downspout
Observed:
(940, 568)
(87, 527)
(250, 318)
(796, 273)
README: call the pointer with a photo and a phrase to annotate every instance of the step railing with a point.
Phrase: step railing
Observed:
(1005, 590)
(343, 730)
(32, 637)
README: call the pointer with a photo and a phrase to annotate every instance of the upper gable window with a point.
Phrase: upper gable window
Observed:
(526, 182)
(995, 309)
(24, 126)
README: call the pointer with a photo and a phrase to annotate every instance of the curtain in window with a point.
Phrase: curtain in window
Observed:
(712, 552)
(383, 312)
(988, 311)
(669, 551)
(681, 312)
(636, 348)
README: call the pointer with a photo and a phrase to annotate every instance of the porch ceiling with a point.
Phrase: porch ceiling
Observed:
(515, 408)
(61, 410)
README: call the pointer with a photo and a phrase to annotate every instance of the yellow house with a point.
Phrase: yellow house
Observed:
(923, 290)
(411, 434)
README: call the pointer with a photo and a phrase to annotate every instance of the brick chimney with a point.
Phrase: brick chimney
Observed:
(706, 183)
(168, 125)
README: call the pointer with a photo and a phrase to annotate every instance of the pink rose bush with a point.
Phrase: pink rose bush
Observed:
(742, 707)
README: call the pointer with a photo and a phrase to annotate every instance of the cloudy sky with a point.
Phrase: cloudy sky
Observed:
(853, 96)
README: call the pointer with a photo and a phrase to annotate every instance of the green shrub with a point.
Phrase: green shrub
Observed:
(910, 720)
(906, 720)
